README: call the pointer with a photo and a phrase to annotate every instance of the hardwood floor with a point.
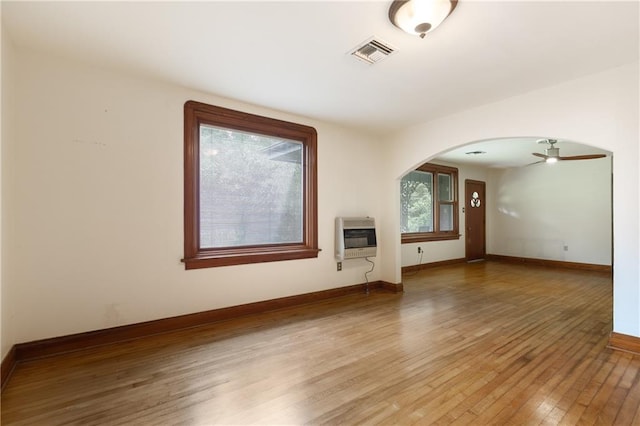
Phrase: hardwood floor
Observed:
(484, 343)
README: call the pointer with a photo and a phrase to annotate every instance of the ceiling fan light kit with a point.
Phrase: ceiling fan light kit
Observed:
(418, 17)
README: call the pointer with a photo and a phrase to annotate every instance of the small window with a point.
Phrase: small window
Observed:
(429, 204)
(250, 188)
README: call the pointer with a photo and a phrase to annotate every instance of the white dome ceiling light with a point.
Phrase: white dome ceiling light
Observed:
(418, 17)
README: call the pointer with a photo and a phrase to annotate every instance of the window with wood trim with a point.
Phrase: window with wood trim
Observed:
(429, 204)
(250, 185)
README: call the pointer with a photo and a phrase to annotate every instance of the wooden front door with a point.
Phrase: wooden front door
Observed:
(475, 208)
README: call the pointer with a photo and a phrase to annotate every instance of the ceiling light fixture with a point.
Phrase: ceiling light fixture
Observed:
(418, 17)
(552, 152)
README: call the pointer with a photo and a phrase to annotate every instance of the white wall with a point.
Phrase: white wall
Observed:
(540, 210)
(600, 110)
(94, 210)
(6, 133)
(436, 251)
(3, 131)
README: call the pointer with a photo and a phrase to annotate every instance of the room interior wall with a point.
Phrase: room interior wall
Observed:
(2, 136)
(7, 77)
(95, 205)
(556, 211)
(436, 251)
(601, 110)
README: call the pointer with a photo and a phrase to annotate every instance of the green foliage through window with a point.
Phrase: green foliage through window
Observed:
(416, 201)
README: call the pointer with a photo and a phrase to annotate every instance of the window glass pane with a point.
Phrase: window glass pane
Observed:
(416, 202)
(446, 217)
(445, 187)
(250, 189)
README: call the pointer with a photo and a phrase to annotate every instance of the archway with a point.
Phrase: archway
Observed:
(558, 214)
(602, 109)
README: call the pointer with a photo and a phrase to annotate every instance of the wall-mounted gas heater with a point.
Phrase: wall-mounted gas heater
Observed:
(355, 237)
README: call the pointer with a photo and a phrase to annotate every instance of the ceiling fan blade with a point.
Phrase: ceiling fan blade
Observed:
(537, 162)
(539, 155)
(583, 157)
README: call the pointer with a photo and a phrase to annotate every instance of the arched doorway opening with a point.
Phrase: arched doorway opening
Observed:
(557, 213)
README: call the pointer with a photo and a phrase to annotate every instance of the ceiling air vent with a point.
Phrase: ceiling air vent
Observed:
(372, 51)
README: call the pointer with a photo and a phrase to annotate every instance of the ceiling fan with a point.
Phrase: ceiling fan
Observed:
(552, 154)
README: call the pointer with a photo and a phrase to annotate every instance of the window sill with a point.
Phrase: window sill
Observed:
(247, 255)
(420, 238)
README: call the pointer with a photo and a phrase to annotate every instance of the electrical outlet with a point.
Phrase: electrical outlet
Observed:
(419, 250)
(339, 266)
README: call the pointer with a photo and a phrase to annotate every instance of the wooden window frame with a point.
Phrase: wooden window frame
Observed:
(196, 114)
(437, 235)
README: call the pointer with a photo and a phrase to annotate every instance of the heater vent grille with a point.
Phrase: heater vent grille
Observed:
(372, 51)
